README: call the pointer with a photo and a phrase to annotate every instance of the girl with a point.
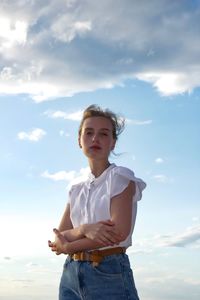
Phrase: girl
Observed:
(99, 219)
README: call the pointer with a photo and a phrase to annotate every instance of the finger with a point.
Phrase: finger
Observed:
(115, 232)
(112, 238)
(116, 239)
(101, 241)
(57, 233)
(114, 235)
(110, 222)
(107, 240)
(107, 222)
(50, 244)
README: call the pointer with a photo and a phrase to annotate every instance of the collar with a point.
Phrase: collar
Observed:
(97, 180)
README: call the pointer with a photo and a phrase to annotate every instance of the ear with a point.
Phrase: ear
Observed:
(113, 145)
(79, 142)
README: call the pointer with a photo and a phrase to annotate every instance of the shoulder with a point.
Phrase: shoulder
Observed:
(120, 177)
(75, 188)
(122, 171)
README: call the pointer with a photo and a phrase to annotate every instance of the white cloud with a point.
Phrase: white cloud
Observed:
(190, 236)
(72, 177)
(56, 49)
(138, 122)
(26, 226)
(34, 136)
(193, 281)
(75, 116)
(66, 32)
(7, 258)
(161, 178)
(171, 83)
(59, 176)
(159, 160)
(12, 33)
(63, 133)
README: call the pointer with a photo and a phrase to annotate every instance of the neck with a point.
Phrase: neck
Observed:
(98, 167)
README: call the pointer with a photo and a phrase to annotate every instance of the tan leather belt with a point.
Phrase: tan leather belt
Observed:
(96, 256)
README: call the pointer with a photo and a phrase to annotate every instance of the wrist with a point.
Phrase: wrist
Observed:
(82, 230)
(68, 249)
(64, 234)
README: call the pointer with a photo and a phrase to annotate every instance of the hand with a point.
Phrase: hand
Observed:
(103, 232)
(60, 244)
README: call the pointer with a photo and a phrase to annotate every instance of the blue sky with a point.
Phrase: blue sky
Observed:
(141, 60)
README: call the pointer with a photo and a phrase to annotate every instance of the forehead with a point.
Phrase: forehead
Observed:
(97, 123)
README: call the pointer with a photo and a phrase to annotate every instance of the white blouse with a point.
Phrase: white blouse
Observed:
(90, 200)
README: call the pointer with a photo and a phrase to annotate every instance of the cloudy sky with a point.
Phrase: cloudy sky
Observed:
(141, 59)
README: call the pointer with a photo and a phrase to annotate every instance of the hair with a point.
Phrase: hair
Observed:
(94, 110)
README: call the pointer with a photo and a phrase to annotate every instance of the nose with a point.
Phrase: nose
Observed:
(95, 137)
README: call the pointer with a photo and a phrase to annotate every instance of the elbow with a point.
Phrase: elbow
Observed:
(122, 232)
(124, 235)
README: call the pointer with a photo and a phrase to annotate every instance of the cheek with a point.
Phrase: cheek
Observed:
(113, 145)
(83, 141)
(79, 141)
(109, 146)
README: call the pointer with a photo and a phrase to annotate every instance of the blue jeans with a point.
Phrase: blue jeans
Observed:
(111, 279)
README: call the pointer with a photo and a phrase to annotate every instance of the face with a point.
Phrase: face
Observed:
(96, 138)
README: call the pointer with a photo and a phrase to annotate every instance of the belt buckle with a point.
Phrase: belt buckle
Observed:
(81, 256)
(85, 256)
(75, 258)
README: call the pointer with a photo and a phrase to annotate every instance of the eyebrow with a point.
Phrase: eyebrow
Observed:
(90, 128)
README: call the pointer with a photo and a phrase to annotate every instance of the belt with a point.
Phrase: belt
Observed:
(96, 256)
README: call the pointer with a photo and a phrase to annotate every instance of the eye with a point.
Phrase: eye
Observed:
(104, 133)
(88, 133)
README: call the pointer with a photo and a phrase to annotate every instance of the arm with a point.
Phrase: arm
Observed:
(66, 227)
(65, 223)
(121, 215)
(103, 232)
(121, 210)
(62, 245)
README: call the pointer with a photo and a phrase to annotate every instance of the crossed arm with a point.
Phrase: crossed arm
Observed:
(111, 232)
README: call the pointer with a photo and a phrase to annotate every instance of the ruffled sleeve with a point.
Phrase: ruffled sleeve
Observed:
(120, 179)
(72, 192)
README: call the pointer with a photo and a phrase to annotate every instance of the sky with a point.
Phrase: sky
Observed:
(140, 59)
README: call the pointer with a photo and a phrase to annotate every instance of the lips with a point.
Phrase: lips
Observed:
(95, 147)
